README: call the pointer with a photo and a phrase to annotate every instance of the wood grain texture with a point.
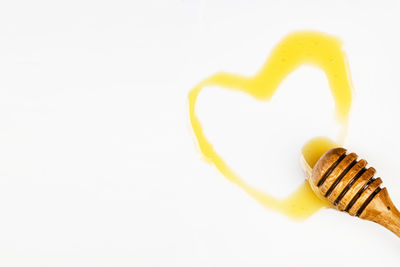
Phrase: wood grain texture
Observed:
(349, 186)
(382, 211)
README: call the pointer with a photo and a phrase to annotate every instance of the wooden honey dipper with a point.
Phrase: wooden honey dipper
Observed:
(351, 187)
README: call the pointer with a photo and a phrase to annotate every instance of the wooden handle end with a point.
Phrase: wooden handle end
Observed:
(382, 211)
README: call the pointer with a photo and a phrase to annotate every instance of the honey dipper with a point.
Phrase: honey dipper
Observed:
(349, 186)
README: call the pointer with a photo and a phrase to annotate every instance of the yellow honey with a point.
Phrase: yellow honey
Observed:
(298, 48)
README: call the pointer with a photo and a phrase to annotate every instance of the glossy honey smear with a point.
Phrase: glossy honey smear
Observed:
(296, 49)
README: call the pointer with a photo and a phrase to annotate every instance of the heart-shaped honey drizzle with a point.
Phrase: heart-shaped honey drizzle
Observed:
(296, 49)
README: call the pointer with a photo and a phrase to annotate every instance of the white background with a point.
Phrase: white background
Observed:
(97, 161)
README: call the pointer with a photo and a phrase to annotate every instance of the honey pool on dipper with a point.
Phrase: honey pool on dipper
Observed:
(296, 49)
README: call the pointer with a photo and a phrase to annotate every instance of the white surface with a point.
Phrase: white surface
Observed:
(97, 163)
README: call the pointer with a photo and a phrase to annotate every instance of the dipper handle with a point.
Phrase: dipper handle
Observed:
(345, 182)
(382, 211)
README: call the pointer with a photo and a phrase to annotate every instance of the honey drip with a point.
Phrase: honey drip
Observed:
(296, 49)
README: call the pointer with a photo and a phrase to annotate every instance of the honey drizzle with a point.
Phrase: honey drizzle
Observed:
(296, 49)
